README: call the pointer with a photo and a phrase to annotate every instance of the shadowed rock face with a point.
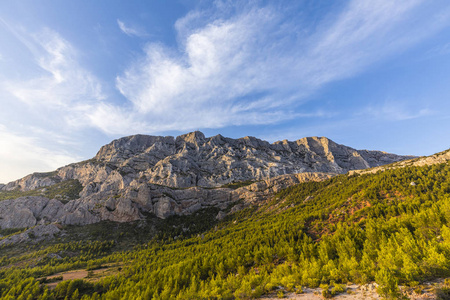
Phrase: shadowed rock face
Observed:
(166, 176)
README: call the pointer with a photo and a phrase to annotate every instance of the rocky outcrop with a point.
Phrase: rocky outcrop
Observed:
(438, 158)
(134, 201)
(138, 175)
(35, 235)
(28, 211)
(260, 191)
(194, 160)
(32, 182)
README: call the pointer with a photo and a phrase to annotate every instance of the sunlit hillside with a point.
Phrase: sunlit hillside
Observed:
(391, 227)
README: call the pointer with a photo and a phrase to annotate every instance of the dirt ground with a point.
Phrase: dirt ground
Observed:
(77, 274)
(357, 292)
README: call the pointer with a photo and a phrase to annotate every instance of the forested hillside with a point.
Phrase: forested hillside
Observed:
(391, 227)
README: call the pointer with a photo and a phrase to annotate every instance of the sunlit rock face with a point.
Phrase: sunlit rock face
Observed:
(193, 160)
(140, 174)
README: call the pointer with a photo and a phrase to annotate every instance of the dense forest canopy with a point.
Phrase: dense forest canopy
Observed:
(391, 227)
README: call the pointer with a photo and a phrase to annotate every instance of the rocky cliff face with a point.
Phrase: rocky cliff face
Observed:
(193, 160)
(438, 158)
(163, 176)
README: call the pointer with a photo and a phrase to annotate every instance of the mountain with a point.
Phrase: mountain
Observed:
(138, 175)
(193, 160)
(437, 158)
(349, 236)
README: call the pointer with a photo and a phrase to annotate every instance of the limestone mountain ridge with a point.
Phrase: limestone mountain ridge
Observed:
(141, 174)
(193, 160)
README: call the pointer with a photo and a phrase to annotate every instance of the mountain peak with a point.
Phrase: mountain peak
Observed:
(195, 137)
(193, 160)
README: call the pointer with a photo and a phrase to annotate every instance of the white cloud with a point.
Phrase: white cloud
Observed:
(130, 31)
(363, 34)
(60, 92)
(233, 66)
(247, 68)
(227, 75)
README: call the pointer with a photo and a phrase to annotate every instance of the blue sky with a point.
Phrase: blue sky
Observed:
(76, 74)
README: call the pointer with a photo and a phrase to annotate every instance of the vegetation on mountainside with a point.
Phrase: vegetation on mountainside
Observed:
(391, 227)
(63, 191)
(236, 185)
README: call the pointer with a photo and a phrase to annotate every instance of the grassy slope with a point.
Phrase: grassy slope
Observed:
(391, 227)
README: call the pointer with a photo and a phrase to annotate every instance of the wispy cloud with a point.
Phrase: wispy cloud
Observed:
(248, 67)
(233, 66)
(443, 49)
(394, 111)
(61, 87)
(47, 105)
(362, 34)
(131, 31)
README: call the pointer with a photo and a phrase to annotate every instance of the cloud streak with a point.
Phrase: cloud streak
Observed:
(395, 111)
(130, 31)
(233, 66)
(61, 90)
(247, 68)
(62, 83)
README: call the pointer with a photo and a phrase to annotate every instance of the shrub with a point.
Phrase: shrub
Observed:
(388, 287)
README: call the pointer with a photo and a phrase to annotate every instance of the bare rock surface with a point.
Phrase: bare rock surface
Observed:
(164, 176)
(193, 160)
(32, 181)
(21, 212)
(35, 235)
(438, 158)
(263, 189)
